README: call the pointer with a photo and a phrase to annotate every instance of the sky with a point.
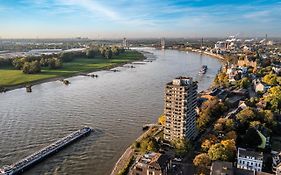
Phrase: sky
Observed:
(102, 19)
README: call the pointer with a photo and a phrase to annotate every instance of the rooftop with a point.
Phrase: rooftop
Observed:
(222, 168)
(153, 159)
(246, 153)
(180, 81)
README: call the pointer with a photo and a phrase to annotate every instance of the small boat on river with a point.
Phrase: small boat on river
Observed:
(203, 69)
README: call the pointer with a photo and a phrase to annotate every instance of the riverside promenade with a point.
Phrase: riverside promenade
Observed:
(129, 153)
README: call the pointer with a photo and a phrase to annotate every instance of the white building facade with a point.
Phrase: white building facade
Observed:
(249, 160)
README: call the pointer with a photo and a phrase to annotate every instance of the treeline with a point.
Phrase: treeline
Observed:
(33, 64)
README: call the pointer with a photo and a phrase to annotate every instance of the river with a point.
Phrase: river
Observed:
(116, 105)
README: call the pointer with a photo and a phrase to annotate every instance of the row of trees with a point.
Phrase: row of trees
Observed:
(211, 110)
(147, 144)
(29, 64)
(214, 149)
(105, 52)
(32, 65)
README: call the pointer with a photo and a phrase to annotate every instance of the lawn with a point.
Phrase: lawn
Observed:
(11, 77)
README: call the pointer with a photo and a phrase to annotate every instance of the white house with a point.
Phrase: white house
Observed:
(249, 160)
(259, 86)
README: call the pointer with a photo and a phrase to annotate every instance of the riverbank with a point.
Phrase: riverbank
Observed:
(189, 49)
(129, 153)
(12, 79)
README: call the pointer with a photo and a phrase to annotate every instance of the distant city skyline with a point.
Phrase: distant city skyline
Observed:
(139, 18)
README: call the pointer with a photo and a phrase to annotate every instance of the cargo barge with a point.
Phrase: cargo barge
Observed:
(25, 163)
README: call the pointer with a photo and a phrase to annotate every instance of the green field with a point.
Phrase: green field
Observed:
(11, 77)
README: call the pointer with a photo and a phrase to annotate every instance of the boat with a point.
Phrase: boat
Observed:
(203, 69)
(25, 163)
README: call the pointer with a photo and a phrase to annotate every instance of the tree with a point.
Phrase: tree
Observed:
(102, 51)
(91, 53)
(149, 144)
(220, 152)
(202, 160)
(67, 56)
(245, 83)
(181, 146)
(115, 50)
(162, 120)
(252, 139)
(44, 62)
(246, 115)
(218, 127)
(31, 67)
(108, 53)
(208, 142)
(270, 79)
(55, 63)
(203, 120)
(18, 63)
(221, 79)
(254, 124)
(231, 135)
(279, 80)
(224, 124)
(229, 124)
(229, 144)
(274, 98)
(267, 117)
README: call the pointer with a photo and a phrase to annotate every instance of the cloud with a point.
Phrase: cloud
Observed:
(93, 7)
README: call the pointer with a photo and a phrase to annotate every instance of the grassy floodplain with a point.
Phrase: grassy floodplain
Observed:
(10, 77)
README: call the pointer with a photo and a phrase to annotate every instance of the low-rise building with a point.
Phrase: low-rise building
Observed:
(278, 169)
(222, 167)
(259, 86)
(248, 61)
(276, 162)
(227, 168)
(249, 160)
(151, 164)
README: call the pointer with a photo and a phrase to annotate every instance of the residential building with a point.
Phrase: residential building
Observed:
(222, 167)
(249, 160)
(233, 74)
(151, 164)
(276, 69)
(221, 45)
(278, 169)
(276, 162)
(259, 86)
(227, 168)
(180, 104)
(248, 61)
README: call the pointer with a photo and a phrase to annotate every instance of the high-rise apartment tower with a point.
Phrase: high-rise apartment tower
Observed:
(180, 103)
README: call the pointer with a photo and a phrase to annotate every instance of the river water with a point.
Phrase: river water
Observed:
(116, 105)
